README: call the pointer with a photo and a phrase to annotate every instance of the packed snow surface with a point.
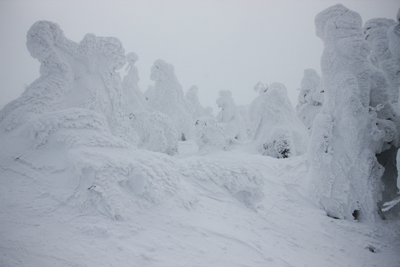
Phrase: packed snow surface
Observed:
(107, 206)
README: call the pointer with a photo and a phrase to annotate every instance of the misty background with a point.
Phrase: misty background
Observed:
(216, 45)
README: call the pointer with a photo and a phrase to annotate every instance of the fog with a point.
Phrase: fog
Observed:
(216, 45)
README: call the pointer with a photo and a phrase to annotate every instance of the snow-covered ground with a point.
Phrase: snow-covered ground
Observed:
(225, 208)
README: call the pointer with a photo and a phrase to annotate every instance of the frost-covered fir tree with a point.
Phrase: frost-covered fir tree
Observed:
(229, 115)
(310, 97)
(277, 130)
(168, 98)
(356, 123)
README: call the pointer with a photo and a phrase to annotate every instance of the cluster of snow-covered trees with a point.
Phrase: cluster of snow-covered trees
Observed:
(82, 78)
(346, 120)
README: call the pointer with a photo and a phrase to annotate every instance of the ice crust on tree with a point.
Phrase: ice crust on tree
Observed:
(168, 98)
(277, 130)
(310, 97)
(356, 123)
(229, 115)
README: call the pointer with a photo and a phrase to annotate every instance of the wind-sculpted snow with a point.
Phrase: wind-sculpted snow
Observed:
(167, 97)
(277, 130)
(70, 125)
(310, 97)
(229, 115)
(356, 122)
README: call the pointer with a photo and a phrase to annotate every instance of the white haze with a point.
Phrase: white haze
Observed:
(216, 45)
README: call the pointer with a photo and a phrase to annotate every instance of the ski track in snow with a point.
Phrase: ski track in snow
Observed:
(221, 209)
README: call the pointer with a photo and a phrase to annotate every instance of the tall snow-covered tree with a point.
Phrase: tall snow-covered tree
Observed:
(310, 97)
(356, 124)
(134, 99)
(79, 78)
(167, 97)
(191, 96)
(155, 130)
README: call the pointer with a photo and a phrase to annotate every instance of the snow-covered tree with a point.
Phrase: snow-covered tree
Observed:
(230, 116)
(376, 33)
(191, 96)
(134, 99)
(277, 130)
(356, 123)
(167, 97)
(73, 76)
(310, 97)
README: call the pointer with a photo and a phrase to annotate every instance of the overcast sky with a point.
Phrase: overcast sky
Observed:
(216, 45)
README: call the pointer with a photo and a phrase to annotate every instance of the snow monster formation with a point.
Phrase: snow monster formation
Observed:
(167, 97)
(78, 78)
(354, 138)
(277, 130)
(156, 131)
(310, 98)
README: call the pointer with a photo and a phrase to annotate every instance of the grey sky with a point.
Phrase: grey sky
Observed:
(216, 45)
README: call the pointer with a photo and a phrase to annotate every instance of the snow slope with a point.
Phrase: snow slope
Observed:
(108, 206)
